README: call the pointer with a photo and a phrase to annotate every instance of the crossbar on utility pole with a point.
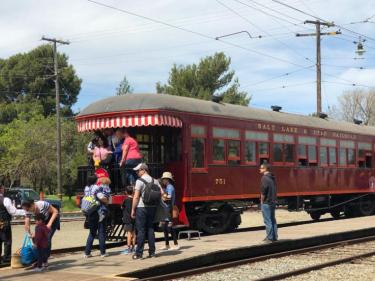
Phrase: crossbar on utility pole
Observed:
(318, 58)
(58, 121)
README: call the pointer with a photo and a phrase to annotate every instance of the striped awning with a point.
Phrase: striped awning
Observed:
(97, 123)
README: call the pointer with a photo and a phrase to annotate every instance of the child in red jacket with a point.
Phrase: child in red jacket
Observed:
(40, 239)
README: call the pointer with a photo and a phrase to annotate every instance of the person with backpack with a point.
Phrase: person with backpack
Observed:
(89, 206)
(146, 198)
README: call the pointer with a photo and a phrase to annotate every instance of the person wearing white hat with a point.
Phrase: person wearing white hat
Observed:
(169, 198)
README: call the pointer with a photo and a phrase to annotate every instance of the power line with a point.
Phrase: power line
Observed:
(191, 31)
(275, 11)
(320, 19)
(275, 77)
(284, 86)
(266, 13)
(261, 29)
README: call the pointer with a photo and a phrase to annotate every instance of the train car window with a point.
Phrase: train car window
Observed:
(351, 157)
(234, 152)
(198, 130)
(332, 156)
(307, 140)
(364, 155)
(312, 155)
(323, 156)
(198, 147)
(283, 138)
(342, 157)
(198, 152)
(277, 153)
(257, 136)
(218, 150)
(263, 151)
(346, 153)
(302, 151)
(368, 161)
(250, 152)
(225, 133)
(307, 151)
(289, 153)
(327, 142)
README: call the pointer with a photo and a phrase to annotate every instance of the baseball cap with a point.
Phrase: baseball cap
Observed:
(141, 166)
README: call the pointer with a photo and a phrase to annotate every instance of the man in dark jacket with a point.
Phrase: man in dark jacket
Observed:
(268, 199)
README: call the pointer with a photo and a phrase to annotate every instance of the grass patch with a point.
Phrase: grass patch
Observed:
(68, 205)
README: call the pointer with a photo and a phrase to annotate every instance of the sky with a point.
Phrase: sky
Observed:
(143, 39)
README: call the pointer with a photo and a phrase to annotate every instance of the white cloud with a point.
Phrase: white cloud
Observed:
(108, 44)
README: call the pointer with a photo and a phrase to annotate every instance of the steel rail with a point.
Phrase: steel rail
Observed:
(316, 267)
(221, 266)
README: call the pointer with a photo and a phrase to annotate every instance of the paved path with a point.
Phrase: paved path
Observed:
(74, 267)
(72, 234)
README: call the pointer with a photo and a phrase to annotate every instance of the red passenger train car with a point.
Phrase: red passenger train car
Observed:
(214, 151)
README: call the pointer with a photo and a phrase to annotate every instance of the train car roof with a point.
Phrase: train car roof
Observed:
(130, 102)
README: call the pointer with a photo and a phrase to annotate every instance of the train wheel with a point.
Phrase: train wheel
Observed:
(336, 213)
(214, 223)
(235, 222)
(315, 215)
(350, 212)
(366, 206)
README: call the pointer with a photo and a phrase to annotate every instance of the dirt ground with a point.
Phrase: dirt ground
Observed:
(72, 234)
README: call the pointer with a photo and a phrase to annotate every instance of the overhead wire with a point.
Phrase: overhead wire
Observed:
(262, 30)
(318, 18)
(192, 32)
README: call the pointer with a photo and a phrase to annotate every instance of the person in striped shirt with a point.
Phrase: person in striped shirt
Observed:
(50, 213)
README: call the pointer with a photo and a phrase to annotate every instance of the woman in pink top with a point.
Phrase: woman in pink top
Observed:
(101, 154)
(131, 157)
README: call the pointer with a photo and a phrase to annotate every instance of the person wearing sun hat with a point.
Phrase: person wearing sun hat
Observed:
(168, 199)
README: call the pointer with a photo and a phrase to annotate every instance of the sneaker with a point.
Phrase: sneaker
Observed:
(136, 257)
(45, 265)
(104, 255)
(267, 241)
(153, 255)
(126, 252)
(38, 269)
(175, 248)
(87, 256)
(165, 248)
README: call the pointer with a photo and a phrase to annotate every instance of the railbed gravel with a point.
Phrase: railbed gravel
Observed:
(356, 270)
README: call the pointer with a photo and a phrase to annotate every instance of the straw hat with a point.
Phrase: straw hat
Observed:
(167, 175)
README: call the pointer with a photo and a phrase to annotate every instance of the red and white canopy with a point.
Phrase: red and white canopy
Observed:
(97, 123)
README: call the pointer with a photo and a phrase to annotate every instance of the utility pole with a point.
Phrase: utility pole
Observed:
(58, 121)
(318, 24)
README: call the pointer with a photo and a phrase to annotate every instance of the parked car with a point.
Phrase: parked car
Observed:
(19, 194)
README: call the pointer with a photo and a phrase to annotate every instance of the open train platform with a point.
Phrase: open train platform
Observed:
(73, 266)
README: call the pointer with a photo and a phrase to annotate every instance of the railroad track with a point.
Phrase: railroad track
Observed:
(285, 263)
(121, 243)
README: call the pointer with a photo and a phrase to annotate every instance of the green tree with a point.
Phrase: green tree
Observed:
(28, 152)
(30, 76)
(211, 76)
(124, 87)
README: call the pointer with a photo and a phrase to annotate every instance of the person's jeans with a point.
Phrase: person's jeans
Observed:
(6, 238)
(268, 212)
(54, 227)
(128, 175)
(42, 256)
(144, 222)
(96, 227)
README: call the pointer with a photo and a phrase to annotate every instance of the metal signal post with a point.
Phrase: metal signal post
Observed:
(58, 121)
(318, 58)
